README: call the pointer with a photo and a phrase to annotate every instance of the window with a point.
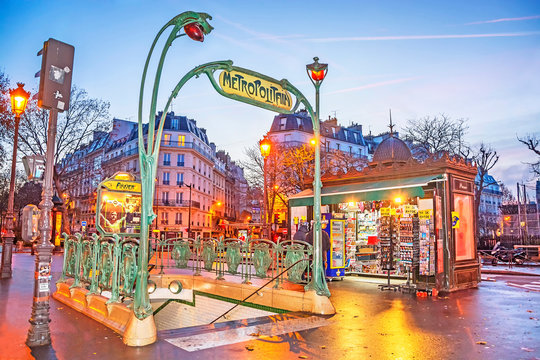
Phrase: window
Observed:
(166, 176)
(179, 178)
(166, 159)
(178, 219)
(166, 139)
(181, 140)
(164, 218)
(165, 197)
(180, 160)
(179, 198)
(174, 124)
(283, 123)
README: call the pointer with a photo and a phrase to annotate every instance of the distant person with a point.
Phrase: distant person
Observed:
(301, 233)
(325, 243)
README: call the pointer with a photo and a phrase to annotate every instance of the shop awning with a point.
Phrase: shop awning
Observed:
(367, 191)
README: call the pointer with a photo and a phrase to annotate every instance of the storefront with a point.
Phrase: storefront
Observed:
(399, 215)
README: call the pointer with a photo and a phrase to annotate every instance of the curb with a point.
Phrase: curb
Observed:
(502, 272)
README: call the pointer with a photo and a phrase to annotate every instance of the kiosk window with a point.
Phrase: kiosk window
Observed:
(464, 231)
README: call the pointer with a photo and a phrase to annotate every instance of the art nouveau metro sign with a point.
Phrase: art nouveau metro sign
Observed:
(255, 88)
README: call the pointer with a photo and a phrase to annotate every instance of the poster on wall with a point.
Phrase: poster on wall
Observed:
(463, 227)
(119, 206)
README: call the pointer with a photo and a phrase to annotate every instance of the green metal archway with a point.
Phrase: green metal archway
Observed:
(148, 156)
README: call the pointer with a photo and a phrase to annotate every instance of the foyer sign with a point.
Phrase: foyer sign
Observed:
(255, 89)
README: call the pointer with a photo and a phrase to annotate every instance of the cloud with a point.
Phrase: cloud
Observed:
(259, 35)
(504, 20)
(422, 37)
(373, 85)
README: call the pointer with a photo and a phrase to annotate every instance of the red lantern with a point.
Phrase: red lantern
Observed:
(317, 75)
(194, 31)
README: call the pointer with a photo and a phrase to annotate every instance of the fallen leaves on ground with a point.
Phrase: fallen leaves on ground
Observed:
(302, 357)
(481, 342)
(323, 346)
(529, 311)
(533, 318)
(255, 334)
(527, 349)
(249, 348)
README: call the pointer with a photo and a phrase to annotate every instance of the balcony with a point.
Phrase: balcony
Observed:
(166, 163)
(166, 182)
(180, 163)
(177, 203)
(188, 145)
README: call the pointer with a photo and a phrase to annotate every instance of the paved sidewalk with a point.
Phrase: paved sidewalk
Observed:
(369, 325)
(502, 269)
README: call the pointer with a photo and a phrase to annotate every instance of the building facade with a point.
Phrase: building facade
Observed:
(191, 181)
(297, 129)
(489, 211)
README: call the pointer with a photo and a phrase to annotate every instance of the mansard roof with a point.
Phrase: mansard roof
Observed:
(301, 121)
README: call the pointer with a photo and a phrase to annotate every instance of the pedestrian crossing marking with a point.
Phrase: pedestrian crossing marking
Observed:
(234, 336)
(534, 286)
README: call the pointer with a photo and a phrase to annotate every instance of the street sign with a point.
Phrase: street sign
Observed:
(34, 167)
(83, 223)
(255, 90)
(55, 75)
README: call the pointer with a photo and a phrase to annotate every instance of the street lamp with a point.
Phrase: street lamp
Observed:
(215, 204)
(189, 209)
(195, 26)
(266, 145)
(316, 73)
(19, 98)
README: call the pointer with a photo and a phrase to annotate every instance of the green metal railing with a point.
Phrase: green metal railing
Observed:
(109, 263)
(253, 258)
(101, 264)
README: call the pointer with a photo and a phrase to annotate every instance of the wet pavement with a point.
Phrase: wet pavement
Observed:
(495, 321)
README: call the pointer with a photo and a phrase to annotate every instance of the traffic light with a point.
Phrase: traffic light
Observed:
(276, 218)
(55, 75)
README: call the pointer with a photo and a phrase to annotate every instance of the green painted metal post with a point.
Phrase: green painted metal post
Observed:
(148, 157)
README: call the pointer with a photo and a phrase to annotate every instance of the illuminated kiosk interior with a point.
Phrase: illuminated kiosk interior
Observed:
(413, 217)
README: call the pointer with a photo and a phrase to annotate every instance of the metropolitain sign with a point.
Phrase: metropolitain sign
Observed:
(255, 89)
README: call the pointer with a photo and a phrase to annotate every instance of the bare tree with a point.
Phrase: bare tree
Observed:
(432, 134)
(289, 170)
(507, 196)
(533, 143)
(486, 158)
(75, 128)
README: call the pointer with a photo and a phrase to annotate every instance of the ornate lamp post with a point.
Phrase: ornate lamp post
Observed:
(195, 26)
(266, 145)
(317, 72)
(19, 98)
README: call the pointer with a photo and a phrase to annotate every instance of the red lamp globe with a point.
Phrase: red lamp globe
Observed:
(317, 71)
(317, 75)
(194, 31)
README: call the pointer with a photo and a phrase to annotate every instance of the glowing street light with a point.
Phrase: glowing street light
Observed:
(317, 73)
(266, 146)
(19, 98)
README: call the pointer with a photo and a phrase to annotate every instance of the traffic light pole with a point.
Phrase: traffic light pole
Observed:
(39, 332)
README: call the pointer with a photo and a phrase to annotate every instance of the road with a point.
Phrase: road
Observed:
(495, 321)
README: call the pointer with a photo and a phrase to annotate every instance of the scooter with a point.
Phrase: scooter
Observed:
(508, 256)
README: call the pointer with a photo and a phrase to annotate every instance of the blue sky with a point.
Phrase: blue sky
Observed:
(469, 59)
